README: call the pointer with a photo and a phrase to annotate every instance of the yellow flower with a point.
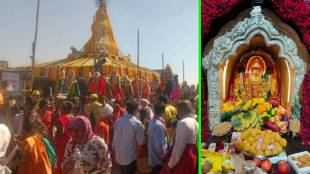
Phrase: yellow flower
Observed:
(259, 100)
(239, 102)
(247, 105)
(217, 164)
(227, 107)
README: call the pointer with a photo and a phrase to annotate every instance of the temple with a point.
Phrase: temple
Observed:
(99, 54)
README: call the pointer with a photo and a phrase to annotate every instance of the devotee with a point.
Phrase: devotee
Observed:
(93, 150)
(142, 156)
(45, 114)
(29, 109)
(34, 156)
(184, 153)
(92, 109)
(62, 136)
(128, 133)
(144, 116)
(157, 140)
(170, 117)
(102, 127)
(118, 110)
(76, 110)
(144, 103)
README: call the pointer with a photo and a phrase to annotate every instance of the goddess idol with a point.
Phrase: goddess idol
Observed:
(257, 81)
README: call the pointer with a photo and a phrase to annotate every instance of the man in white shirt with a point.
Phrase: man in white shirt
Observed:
(128, 133)
(184, 153)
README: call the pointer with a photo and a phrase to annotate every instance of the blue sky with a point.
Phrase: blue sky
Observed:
(168, 26)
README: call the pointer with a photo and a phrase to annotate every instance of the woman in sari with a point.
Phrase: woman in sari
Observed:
(62, 134)
(94, 151)
(104, 124)
(35, 158)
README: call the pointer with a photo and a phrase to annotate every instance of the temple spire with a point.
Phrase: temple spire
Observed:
(102, 39)
(102, 4)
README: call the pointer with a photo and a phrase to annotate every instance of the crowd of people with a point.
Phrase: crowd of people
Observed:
(60, 135)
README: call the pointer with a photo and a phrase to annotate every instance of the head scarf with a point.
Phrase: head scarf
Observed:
(144, 101)
(81, 123)
(5, 139)
(106, 111)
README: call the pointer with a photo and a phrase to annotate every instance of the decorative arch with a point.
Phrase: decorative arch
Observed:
(227, 44)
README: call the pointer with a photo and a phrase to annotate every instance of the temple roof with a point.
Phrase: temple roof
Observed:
(101, 45)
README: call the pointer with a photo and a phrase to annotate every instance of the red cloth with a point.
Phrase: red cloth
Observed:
(305, 112)
(101, 86)
(188, 163)
(162, 88)
(142, 154)
(102, 129)
(146, 89)
(135, 87)
(297, 12)
(117, 114)
(92, 88)
(211, 9)
(117, 93)
(62, 140)
(175, 93)
(47, 119)
(146, 93)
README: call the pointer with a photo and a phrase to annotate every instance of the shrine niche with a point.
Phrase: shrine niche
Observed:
(255, 56)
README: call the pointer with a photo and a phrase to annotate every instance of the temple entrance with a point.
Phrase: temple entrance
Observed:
(257, 71)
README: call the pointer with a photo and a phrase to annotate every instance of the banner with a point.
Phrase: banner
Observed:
(11, 81)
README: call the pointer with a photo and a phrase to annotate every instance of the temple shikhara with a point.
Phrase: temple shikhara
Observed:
(255, 79)
(99, 64)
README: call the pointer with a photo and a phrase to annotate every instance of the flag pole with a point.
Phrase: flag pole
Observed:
(183, 71)
(34, 44)
(138, 54)
(138, 62)
(162, 60)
